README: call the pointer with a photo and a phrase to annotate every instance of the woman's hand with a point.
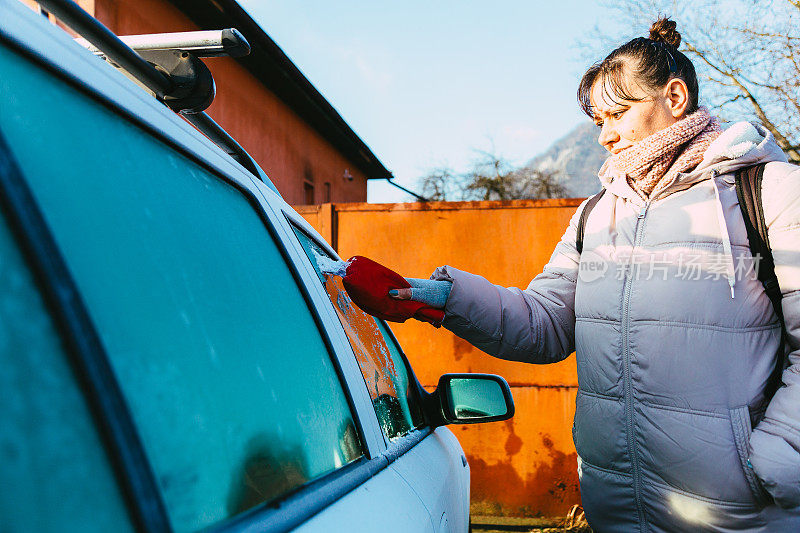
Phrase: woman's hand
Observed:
(428, 291)
(401, 294)
(368, 283)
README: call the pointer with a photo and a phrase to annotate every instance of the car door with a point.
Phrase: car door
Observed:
(432, 464)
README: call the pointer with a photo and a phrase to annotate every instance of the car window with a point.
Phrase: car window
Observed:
(55, 474)
(382, 365)
(218, 354)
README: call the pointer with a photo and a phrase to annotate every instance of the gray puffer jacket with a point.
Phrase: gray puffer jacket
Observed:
(675, 341)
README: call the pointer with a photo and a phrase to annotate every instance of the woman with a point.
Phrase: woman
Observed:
(675, 338)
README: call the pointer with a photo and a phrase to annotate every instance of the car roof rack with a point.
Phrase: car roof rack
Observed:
(167, 65)
(206, 43)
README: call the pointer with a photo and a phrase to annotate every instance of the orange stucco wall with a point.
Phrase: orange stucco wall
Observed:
(289, 151)
(525, 466)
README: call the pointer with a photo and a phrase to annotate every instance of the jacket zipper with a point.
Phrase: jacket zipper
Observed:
(632, 454)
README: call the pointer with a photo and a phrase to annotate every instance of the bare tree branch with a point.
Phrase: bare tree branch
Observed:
(782, 141)
(492, 178)
(731, 100)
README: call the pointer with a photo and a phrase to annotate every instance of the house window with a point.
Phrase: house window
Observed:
(327, 192)
(308, 193)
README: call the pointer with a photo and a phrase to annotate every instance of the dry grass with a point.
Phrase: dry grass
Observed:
(574, 522)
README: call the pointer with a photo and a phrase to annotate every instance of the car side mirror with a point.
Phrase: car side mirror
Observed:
(470, 399)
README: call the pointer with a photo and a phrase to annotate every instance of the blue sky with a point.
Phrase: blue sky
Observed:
(425, 84)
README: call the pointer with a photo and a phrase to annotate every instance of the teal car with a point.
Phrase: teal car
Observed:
(173, 357)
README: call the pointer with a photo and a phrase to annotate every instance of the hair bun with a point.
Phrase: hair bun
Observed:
(664, 30)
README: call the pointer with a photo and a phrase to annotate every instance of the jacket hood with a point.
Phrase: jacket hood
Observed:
(744, 144)
(741, 145)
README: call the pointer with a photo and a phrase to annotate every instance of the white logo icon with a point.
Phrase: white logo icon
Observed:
(592, 267)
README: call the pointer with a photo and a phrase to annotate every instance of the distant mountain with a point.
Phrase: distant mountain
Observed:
(577, 157)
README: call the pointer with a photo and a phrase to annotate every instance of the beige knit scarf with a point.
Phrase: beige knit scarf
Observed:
(662, 155)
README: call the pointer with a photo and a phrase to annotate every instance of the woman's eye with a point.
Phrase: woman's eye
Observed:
(617, 114)
(599, 124)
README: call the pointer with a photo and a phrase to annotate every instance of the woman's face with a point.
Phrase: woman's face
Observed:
(623, 123)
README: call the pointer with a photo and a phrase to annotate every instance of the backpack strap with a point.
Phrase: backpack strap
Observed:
(748, 190)
(582, 221)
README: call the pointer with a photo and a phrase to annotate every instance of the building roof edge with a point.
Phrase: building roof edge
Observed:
(273, 69)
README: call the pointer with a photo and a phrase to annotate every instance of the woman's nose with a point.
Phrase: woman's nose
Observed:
(607, 136)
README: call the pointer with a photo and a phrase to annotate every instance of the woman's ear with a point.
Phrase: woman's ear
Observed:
(677, 95)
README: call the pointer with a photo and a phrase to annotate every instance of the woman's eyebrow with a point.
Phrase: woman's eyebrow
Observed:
(610, 110)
